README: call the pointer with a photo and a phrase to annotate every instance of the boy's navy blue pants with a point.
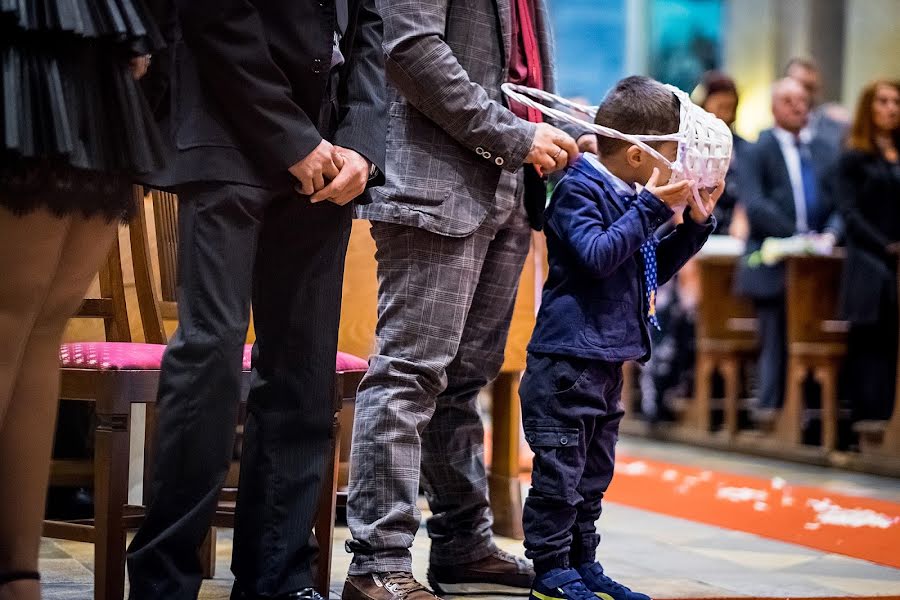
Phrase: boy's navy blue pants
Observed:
(571, 408)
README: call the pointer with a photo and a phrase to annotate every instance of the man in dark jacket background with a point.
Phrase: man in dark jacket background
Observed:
(786, 191)
(276, 122)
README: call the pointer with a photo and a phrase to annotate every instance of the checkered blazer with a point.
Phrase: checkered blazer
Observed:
(450, 132)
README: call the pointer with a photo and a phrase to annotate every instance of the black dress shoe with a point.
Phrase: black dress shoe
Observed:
(304, 594)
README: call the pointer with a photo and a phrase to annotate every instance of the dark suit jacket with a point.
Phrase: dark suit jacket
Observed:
(869, 197)
(769, 199)
(247, 86)
(593, 304)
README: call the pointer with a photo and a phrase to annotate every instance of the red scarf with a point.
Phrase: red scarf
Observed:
(525, 58)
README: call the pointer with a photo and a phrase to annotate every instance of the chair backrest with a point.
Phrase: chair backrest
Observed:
(719, 311)
(110, 305)
(812, 285)
(156, 302)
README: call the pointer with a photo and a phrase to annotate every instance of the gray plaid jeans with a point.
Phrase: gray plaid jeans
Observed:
(444, 308)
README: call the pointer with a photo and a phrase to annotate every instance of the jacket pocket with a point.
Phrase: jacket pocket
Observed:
(416, 173)
(198, 121)
(609, 322)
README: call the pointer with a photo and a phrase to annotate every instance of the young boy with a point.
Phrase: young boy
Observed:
(598, 305)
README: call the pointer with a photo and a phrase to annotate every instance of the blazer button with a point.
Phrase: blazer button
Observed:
(317, 65)
(479, 151)
(499, 161)
(487, 155)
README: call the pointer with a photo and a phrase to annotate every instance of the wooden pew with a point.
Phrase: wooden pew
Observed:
(726, 338)
(357, 336)
(816, 344)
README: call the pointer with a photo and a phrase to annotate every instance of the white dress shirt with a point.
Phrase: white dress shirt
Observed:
(788, 143)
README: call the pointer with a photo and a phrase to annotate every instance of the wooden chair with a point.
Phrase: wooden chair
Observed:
(111, 377)
(116, 373)
(816, 344)
(726, 339)
(159, 306)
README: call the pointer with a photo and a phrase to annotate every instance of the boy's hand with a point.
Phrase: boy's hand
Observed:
(700, 214)
(672, 195)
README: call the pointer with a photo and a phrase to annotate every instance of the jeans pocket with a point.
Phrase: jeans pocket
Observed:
(568, 374)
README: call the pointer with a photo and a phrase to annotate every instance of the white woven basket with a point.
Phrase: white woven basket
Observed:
(704, 141)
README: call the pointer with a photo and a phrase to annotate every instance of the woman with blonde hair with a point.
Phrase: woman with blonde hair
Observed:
(74, 130)
(868, 182)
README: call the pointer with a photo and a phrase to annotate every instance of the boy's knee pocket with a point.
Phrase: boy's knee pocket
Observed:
(558, 459)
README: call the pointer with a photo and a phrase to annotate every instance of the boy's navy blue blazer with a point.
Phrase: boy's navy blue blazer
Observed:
(593, 302)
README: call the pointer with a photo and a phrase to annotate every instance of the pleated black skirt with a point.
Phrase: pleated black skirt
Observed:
(75, 126)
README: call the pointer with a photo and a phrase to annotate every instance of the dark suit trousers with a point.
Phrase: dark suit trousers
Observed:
(772, 351)
(240, 245)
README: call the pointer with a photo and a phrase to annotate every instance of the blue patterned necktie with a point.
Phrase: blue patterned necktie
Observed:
(810, 186)
(648, 254)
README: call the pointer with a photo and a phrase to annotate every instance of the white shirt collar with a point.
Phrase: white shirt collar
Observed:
(620, 187)
(786, 137)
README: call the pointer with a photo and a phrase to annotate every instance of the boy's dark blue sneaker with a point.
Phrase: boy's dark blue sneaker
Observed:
(603, 587)
(560, 584)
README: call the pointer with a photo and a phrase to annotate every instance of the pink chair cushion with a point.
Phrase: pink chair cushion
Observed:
(348, 362)
(111, 356)
(129, 356)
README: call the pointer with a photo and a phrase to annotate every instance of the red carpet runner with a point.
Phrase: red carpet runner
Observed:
(853, 526)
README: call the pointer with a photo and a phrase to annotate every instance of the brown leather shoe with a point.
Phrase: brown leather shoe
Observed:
(385, 586)
(499, 573)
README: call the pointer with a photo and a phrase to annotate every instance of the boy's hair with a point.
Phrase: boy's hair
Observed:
(637, 105)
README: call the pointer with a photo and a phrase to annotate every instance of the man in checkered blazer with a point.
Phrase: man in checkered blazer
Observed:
(451, 227)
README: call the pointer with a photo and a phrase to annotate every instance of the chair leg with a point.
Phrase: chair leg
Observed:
(731, 375)
(111, 457)
(827, 378)
(324, 528)
(699, 412)
(208, 554)
(790, 421)
(150, 426)
(505, 490)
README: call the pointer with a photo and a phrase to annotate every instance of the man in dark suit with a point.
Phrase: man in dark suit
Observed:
(277, 117)
(828, 122)
(785, 191)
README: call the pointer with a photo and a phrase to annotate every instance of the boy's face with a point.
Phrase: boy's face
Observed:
(643, 162)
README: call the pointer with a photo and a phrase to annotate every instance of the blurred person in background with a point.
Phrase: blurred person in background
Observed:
(669, 374)
(76, 131)
(828, 121)
(785, 193)
(869, 192)
(717, 93)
